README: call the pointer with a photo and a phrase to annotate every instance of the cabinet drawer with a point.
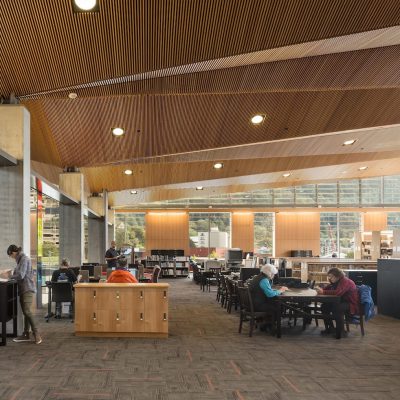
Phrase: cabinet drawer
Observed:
(120, 299)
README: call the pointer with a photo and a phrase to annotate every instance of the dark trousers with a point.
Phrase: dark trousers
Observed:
(338, 311)
(26, 300)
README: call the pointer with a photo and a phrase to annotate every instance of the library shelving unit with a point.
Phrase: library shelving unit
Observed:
(171, 266)
(373, 245)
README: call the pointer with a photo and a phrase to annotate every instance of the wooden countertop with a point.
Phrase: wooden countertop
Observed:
(121, 285)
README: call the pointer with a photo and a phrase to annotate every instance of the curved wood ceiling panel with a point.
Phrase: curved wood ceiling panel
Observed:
(179, 124)
(128, 37)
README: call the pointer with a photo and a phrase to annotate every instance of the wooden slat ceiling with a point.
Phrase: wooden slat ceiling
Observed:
(184, 77)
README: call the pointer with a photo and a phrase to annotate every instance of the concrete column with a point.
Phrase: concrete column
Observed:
(106, 231)
(72, 244)
(96, 240)
(15, 182)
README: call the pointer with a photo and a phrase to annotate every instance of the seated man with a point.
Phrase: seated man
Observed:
(63, 274)
(262, 292)
(121, 274)
(344, 287)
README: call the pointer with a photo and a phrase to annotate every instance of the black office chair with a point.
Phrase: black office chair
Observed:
(61, 292)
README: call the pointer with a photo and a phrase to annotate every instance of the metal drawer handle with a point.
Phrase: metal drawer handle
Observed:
(165, 294)
(141, 316)
(165, 316)
(94, 294)
(94, 316)
(117, 317)
(141, 294)
(117, 295)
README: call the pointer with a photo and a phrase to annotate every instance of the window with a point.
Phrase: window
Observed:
(393, 220)
(349, 192)
(305, 195)
(264, 233)
(327, 193)
(337, 233)
(391, 189)
(371, 191)
(209, 234)
(130, 229)
(284, 196)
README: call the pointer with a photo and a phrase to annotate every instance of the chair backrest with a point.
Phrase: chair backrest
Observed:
(156, 274)
(244, 299)
(230, 286)
(61, 291)
(212, 264)
(195, 268)
(97, 271)
(84, 275)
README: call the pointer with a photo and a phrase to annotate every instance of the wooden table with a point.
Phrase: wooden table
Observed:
(8, 308)
(295, 299)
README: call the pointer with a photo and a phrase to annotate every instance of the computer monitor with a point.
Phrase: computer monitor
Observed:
(133, 271)
(89, 268)
(233, 256)
(247, 273)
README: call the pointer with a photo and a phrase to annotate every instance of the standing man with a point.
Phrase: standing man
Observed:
(112, 256)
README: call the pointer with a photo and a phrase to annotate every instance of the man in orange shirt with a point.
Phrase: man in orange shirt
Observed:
(121, 274)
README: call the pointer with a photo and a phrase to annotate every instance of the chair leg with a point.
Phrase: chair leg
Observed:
(251, 327)
(240, 323)
(362, 325)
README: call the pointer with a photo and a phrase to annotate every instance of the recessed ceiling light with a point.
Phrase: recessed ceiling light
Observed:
(247, 196)
(349, 142)
(117, 131)
(218, 165)
(133, 191)
(209, 206)
(85, 5)
(128, 172)
(257, 119)
(199, 188)
(72, 95)
(286, 175)
(362, 168)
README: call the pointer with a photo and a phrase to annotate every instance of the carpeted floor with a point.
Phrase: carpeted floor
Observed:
(204, 358)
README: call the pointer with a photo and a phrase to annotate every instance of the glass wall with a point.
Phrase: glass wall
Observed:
(264, 228)
(209, 234)
(337, 233)
(130, 230)
(393, 220)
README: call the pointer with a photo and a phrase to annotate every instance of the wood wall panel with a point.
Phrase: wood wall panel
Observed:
(243, 230)
(375, 221)
(167, 230)
(296, 231)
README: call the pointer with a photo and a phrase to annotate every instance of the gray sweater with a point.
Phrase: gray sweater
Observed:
(23, 274)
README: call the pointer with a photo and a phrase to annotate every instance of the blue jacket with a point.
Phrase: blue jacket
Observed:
(366, 301)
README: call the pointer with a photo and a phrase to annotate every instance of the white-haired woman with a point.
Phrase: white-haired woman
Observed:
(261, 290)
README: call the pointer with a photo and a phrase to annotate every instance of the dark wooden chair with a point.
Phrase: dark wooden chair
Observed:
(247, 313)
(232, 297)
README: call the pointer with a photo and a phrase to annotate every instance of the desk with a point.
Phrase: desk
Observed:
(301, 297)
(8, 308)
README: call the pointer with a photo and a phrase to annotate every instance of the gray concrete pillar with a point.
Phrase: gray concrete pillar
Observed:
(96, 240)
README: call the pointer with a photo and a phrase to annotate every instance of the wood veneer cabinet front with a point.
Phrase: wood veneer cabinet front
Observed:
(121, 309)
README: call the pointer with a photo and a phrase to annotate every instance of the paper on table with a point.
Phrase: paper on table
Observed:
(3, 280)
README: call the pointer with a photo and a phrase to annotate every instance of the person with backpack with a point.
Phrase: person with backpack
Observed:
(63, 274)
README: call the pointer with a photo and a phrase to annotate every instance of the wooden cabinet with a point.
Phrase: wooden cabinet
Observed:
(115, 309)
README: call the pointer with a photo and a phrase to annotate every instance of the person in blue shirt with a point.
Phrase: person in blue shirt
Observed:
(261, 290)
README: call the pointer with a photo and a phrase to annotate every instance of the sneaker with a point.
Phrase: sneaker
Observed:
(38, 338)
(23, 338)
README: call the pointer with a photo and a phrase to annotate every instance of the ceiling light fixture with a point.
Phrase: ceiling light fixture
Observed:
(362, 168)
(349, 142)
(72, 95)
(85, 5)
(257, 119)
(199, 188)
(133, 191)
(128, 172)
(117, 131)
(218, 165)
(286, 175)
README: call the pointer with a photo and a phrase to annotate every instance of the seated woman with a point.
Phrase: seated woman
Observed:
(339, 285)
(63, 274)
(121, 274)
(261, 290)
